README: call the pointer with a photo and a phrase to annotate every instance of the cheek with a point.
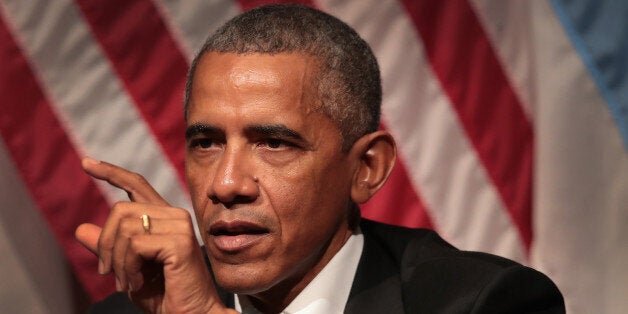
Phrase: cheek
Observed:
(197, 181)
(308, 203)
(285, 195)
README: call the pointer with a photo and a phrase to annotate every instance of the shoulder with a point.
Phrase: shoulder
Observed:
(399, 242)
(437, 276)
(477, 283)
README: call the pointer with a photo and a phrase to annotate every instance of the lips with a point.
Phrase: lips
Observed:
(236, 235)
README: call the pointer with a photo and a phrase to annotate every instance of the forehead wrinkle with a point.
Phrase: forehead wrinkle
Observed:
(245, 76)
(263, 84)
(306, 101)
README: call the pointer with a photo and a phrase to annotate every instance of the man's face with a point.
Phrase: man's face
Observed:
(269, 183)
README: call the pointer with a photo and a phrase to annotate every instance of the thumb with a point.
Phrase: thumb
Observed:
(87, 234)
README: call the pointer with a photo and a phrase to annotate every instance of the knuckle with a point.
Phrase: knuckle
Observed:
(118, 208)
(138, 178)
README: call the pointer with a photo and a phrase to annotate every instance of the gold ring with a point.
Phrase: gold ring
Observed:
(146, 223)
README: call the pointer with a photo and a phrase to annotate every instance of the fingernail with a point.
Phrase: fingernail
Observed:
(91, 160)
(101, 267)
(118, 285)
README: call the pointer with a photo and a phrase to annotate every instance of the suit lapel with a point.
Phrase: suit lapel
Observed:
(377, 284)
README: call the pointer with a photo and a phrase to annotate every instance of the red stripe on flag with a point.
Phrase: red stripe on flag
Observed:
(150, 64)
(250, 4)
(48, 163)
(487, 107)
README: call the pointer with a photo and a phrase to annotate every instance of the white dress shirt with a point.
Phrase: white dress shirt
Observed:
(329, 291)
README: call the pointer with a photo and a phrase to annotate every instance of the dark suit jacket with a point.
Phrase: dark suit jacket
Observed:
(415, 271)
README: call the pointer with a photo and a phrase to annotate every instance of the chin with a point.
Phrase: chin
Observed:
(241, 279)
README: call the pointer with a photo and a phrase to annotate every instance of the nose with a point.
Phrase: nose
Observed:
(233, 181)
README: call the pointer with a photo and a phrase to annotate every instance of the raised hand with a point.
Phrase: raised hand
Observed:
(160, 265)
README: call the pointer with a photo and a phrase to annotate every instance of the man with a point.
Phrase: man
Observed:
(282, 108)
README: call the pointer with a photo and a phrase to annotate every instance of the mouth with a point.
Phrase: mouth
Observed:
(235, 236)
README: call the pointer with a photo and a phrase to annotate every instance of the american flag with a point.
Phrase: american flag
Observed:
(511, 119)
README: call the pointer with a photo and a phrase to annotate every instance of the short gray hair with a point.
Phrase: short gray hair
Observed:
(349, 84)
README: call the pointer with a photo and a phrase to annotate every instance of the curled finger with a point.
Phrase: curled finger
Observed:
(135, 229)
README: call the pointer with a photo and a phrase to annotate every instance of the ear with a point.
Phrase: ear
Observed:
(375, 154)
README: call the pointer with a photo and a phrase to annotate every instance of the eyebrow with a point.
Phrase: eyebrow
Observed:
(275, 130)
(201, 128)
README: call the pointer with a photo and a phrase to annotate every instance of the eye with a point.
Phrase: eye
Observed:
(201, 143)
(275, 143)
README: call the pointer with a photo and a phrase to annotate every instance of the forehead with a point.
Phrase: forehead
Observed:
(277, 83)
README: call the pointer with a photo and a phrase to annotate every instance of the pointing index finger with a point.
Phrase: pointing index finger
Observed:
(138, 189)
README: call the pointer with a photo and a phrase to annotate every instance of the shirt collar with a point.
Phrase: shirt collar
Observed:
(329, 291)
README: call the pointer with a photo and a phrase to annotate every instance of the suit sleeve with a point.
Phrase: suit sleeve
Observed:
(519, 289)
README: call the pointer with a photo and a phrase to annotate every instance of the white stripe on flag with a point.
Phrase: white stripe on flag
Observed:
(444, 167)
(191, 21)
